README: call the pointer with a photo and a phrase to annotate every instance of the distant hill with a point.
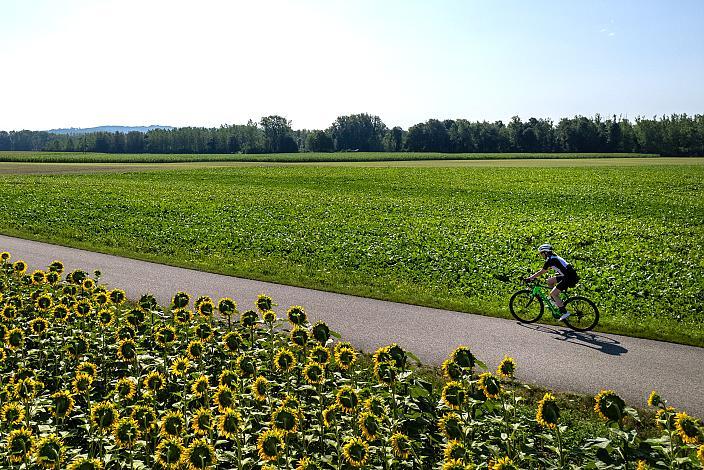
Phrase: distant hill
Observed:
(87, 130)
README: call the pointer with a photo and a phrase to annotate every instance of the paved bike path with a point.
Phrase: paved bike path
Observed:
(550, 356)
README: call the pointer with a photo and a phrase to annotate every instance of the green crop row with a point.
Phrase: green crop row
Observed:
(458, 238)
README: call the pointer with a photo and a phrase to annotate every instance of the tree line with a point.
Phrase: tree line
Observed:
(677, 134)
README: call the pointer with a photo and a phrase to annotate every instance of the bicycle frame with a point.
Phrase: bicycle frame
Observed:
(539, 291)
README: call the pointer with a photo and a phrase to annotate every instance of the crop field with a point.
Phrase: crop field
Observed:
(90, 381)
(456, 237)
(83, 157)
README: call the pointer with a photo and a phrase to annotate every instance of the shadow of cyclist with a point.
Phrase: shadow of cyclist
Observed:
(590, 340)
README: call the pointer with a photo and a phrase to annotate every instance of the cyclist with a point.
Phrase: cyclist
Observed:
(565, 277)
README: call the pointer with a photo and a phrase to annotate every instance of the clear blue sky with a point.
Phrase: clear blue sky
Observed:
(204, 63)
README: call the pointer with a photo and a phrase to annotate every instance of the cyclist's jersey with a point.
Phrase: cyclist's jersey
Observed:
(560, 266)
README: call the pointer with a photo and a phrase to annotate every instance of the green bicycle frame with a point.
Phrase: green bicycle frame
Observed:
(539, 291)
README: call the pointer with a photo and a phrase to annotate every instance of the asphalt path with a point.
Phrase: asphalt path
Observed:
(549, 356)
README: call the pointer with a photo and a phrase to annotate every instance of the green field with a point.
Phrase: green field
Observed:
(81, 157)
(455, 237)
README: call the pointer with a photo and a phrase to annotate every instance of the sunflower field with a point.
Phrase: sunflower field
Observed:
(90, 380)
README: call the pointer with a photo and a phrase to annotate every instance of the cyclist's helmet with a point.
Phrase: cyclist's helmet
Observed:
(545, 248)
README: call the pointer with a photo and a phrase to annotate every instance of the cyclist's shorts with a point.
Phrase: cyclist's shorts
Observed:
(565, 282)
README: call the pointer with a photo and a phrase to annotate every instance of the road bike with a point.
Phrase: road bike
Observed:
(527, 306)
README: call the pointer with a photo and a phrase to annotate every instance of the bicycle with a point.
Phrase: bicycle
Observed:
(528, 305)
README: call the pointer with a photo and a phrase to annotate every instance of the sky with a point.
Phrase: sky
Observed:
(81, 63)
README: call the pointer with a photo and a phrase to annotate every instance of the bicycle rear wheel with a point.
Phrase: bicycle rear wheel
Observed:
(583, 313)
(526, 307)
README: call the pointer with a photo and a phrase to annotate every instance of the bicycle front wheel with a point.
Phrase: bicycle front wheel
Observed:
(526, 307)
(583, 314)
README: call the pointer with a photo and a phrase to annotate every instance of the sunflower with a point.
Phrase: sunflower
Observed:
(205, 308)
(454, 395)
(299, 336)
(12, 413)
(260, 387)
(375, 405)
(229, 423)
(654, 399)
(200, 455)
(609, 405)
(455, 450)
(43, 302)
(101, 298)
(451, 426)
(642, 465)
(548, 413)
(314, 373)
(330, 415)
(503, 463)
(126, 388)
(347, 399)
(686, 427)
(85, 463)
(227, 306)
(224, 398)
(490, 385)
(19, 267)
(320, 354)
(117, 296)
(385, 372)
(136, 317)
(356, 452)
(285, 360)
(50, 451)
(125, 332)
(270, 445)
(87, 368)
(507, 368)
(154, 381)
(202, 421)
(285, 419)
(104, 415)
(9, 312)
(39, 326)
(105, 318)
(53, 277)
(700, 454)
(200, 386)
(228, 378)
(269, 317)
(665, 417)
(20, 444)
(307, 464)
(170, 453)
(180, 300)
(165, 336)
(249, 319)
(172, 424)
(401, 445)
(232, 342)
(26, 389)
(145, 418)
(5, 256)
(369, 425)
(62, 402)
(3, 355)
(345, 357)
(127, 350)
(38, 277)
(321, 332)
(14, 338)
(204, 332)
(195, 350)
(126, 432)
(297, 315)
(88, 284)
(455, 465)
(182, 316)
(180, 366)
(263, 303)
(463, 357)
(450, 370)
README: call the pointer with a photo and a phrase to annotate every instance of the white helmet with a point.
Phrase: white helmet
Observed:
(545, 247)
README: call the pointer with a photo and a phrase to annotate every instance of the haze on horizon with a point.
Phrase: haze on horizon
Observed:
(86, 63)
